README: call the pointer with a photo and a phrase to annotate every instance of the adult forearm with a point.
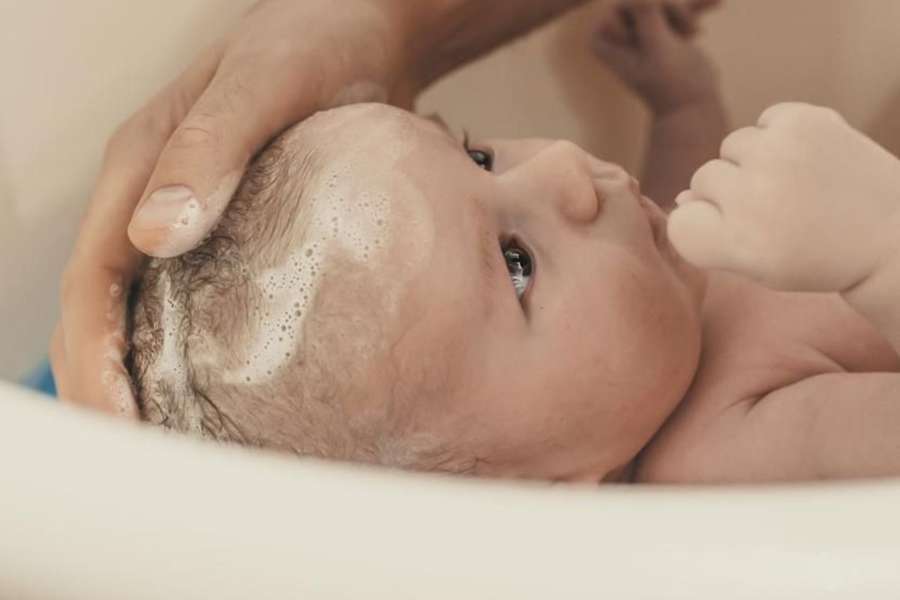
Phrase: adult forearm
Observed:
(680, 143)
(444, 34)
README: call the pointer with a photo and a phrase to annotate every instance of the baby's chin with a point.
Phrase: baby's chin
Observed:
(695, 279)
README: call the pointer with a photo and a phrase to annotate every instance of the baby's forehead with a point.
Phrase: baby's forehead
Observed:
(360, 120)
(365, 132)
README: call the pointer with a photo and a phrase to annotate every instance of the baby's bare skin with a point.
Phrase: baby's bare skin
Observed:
(790, 385)
(757, 341)
(801, 202)
(548, 329)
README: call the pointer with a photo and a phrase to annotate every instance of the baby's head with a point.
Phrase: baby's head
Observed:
(377, 293)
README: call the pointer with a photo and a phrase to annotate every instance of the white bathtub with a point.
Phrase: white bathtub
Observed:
(93, 509)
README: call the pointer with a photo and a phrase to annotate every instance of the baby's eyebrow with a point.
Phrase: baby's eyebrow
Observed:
(438, 123)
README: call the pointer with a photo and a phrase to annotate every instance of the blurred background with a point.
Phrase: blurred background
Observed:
(73, 71)
(841, 53)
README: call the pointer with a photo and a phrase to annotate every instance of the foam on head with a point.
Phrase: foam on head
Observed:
(256, 334)
(170, 367)
(339, 225)
(345, 221)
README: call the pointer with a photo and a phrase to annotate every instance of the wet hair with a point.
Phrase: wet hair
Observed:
(191, 316)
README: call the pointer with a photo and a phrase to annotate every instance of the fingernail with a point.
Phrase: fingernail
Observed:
(170, 207)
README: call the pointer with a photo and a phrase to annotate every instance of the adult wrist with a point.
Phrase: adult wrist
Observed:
(709, 104)
(420, 28)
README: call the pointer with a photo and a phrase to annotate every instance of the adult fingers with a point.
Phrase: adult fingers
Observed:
(88, 357)
(204, 160)
(622, 59)
(131, 156)
(681, 18)
(684, 15)
(93, 345)
(617, 25)
(89, 346)
(699, 6)
(651, 28)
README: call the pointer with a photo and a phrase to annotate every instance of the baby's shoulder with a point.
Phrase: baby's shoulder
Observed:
(756, 341)
(766, 339)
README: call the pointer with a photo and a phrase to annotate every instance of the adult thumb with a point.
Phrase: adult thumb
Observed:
(203, 162)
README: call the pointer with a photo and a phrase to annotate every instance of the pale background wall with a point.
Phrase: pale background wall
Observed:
(72, 70)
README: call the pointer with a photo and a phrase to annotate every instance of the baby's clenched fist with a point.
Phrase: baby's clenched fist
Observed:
(801, 202)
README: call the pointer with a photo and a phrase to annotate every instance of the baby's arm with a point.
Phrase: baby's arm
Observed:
(804, 202)
(680, 87)
(830, 426)
(877, 297)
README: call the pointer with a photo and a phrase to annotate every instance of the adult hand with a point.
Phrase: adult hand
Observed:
(682, 15)
(657, 61)
(180, 158)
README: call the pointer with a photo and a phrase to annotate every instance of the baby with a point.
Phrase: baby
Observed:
(377, 292)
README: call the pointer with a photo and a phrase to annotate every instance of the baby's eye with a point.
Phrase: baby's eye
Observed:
(482, 158)
(520, 266)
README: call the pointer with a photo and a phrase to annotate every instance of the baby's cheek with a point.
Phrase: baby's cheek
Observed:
(662, 335)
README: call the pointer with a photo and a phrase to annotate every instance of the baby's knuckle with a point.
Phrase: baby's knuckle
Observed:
(808, 117)
(705, 177)
(730, 144)
(697, 180)
(822, 113)
(778, 113)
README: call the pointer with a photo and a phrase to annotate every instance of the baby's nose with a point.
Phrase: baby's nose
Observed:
(564, 174)
(613, 181)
